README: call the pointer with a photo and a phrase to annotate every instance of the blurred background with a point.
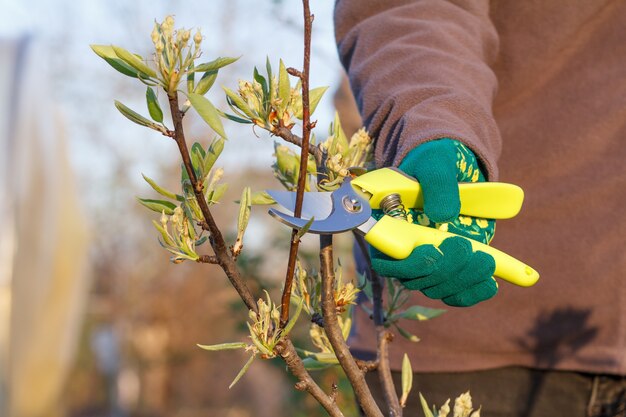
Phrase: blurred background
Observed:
(94, 319)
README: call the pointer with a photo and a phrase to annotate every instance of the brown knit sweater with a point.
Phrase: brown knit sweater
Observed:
(537, 89)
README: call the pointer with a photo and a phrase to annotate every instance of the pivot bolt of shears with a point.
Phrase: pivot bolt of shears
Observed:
(352, 204)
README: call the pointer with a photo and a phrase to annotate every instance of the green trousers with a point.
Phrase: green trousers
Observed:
(518, 392)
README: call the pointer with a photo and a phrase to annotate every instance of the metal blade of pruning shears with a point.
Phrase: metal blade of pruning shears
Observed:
(339, 211)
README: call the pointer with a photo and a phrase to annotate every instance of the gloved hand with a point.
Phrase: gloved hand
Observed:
(452, 272)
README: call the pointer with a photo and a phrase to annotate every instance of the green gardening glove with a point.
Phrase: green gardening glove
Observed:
(452, 272)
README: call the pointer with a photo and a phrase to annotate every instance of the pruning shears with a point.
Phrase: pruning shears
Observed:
(350, 208)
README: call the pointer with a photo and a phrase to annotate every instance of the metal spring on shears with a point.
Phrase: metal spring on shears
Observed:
(392, 206)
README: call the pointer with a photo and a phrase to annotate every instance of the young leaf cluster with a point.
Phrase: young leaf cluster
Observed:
(265, 333)
(180, 213)
(463, 407)
(344, 153)
(174, 60)
(307, 292)
(270, 101)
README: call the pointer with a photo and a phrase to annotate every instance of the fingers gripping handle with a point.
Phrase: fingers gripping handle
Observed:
(397, 238)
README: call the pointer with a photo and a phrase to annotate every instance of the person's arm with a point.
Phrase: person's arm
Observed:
(420, 71)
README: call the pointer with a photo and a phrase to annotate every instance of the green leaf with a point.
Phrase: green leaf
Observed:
(107, 53)
(421, 313)
(365, 285)
(215, 64)
(305, 228)
(197, 160)
(159, 189)
(406, 335)
(268, 67)
(311, 364)
(213, 152)
(407, 379)
(322, 357)
(166, 237)
(207, 111)
(196, 147)
(153, 106)
(284, 87)
(243, 371)
(217, 193)
(261, 198)
(224, 346)
(340, 141)
(427, 412)
(315, 95)
(238, 103)
(293, 319)
(191, 78)
(347, 325)
(158, 205)
(244, 213)
(134, 61)
(206, 82)
(233, 118)
(261, 80)
(135, 117)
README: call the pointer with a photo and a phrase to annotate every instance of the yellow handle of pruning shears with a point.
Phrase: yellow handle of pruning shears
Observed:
(490, 200)
(397, 238)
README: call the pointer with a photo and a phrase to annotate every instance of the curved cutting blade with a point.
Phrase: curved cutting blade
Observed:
(318, 205)
(348, 211)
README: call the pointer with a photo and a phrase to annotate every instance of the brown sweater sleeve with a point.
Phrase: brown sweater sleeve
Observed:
(420, 71)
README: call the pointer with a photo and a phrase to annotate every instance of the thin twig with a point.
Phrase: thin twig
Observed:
(290, 137)
(305, 383)
(367, 366)
(218, 243)
(333, 331)
(295, 72)
(384, 372)
(383, 336)
(304, 158)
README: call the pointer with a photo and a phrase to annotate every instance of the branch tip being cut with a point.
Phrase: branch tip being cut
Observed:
(304, 157)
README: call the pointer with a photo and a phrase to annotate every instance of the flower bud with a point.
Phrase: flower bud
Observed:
(186, 35)
(197, 38)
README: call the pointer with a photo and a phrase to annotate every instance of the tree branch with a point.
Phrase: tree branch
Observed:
(384, 372)
(304, 157)
(290, 137)
(217, 240)
(333, 331)
(288, 353)
(207, 259)
(383, 336)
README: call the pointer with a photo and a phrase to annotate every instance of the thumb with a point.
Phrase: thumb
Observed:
(433, 164)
